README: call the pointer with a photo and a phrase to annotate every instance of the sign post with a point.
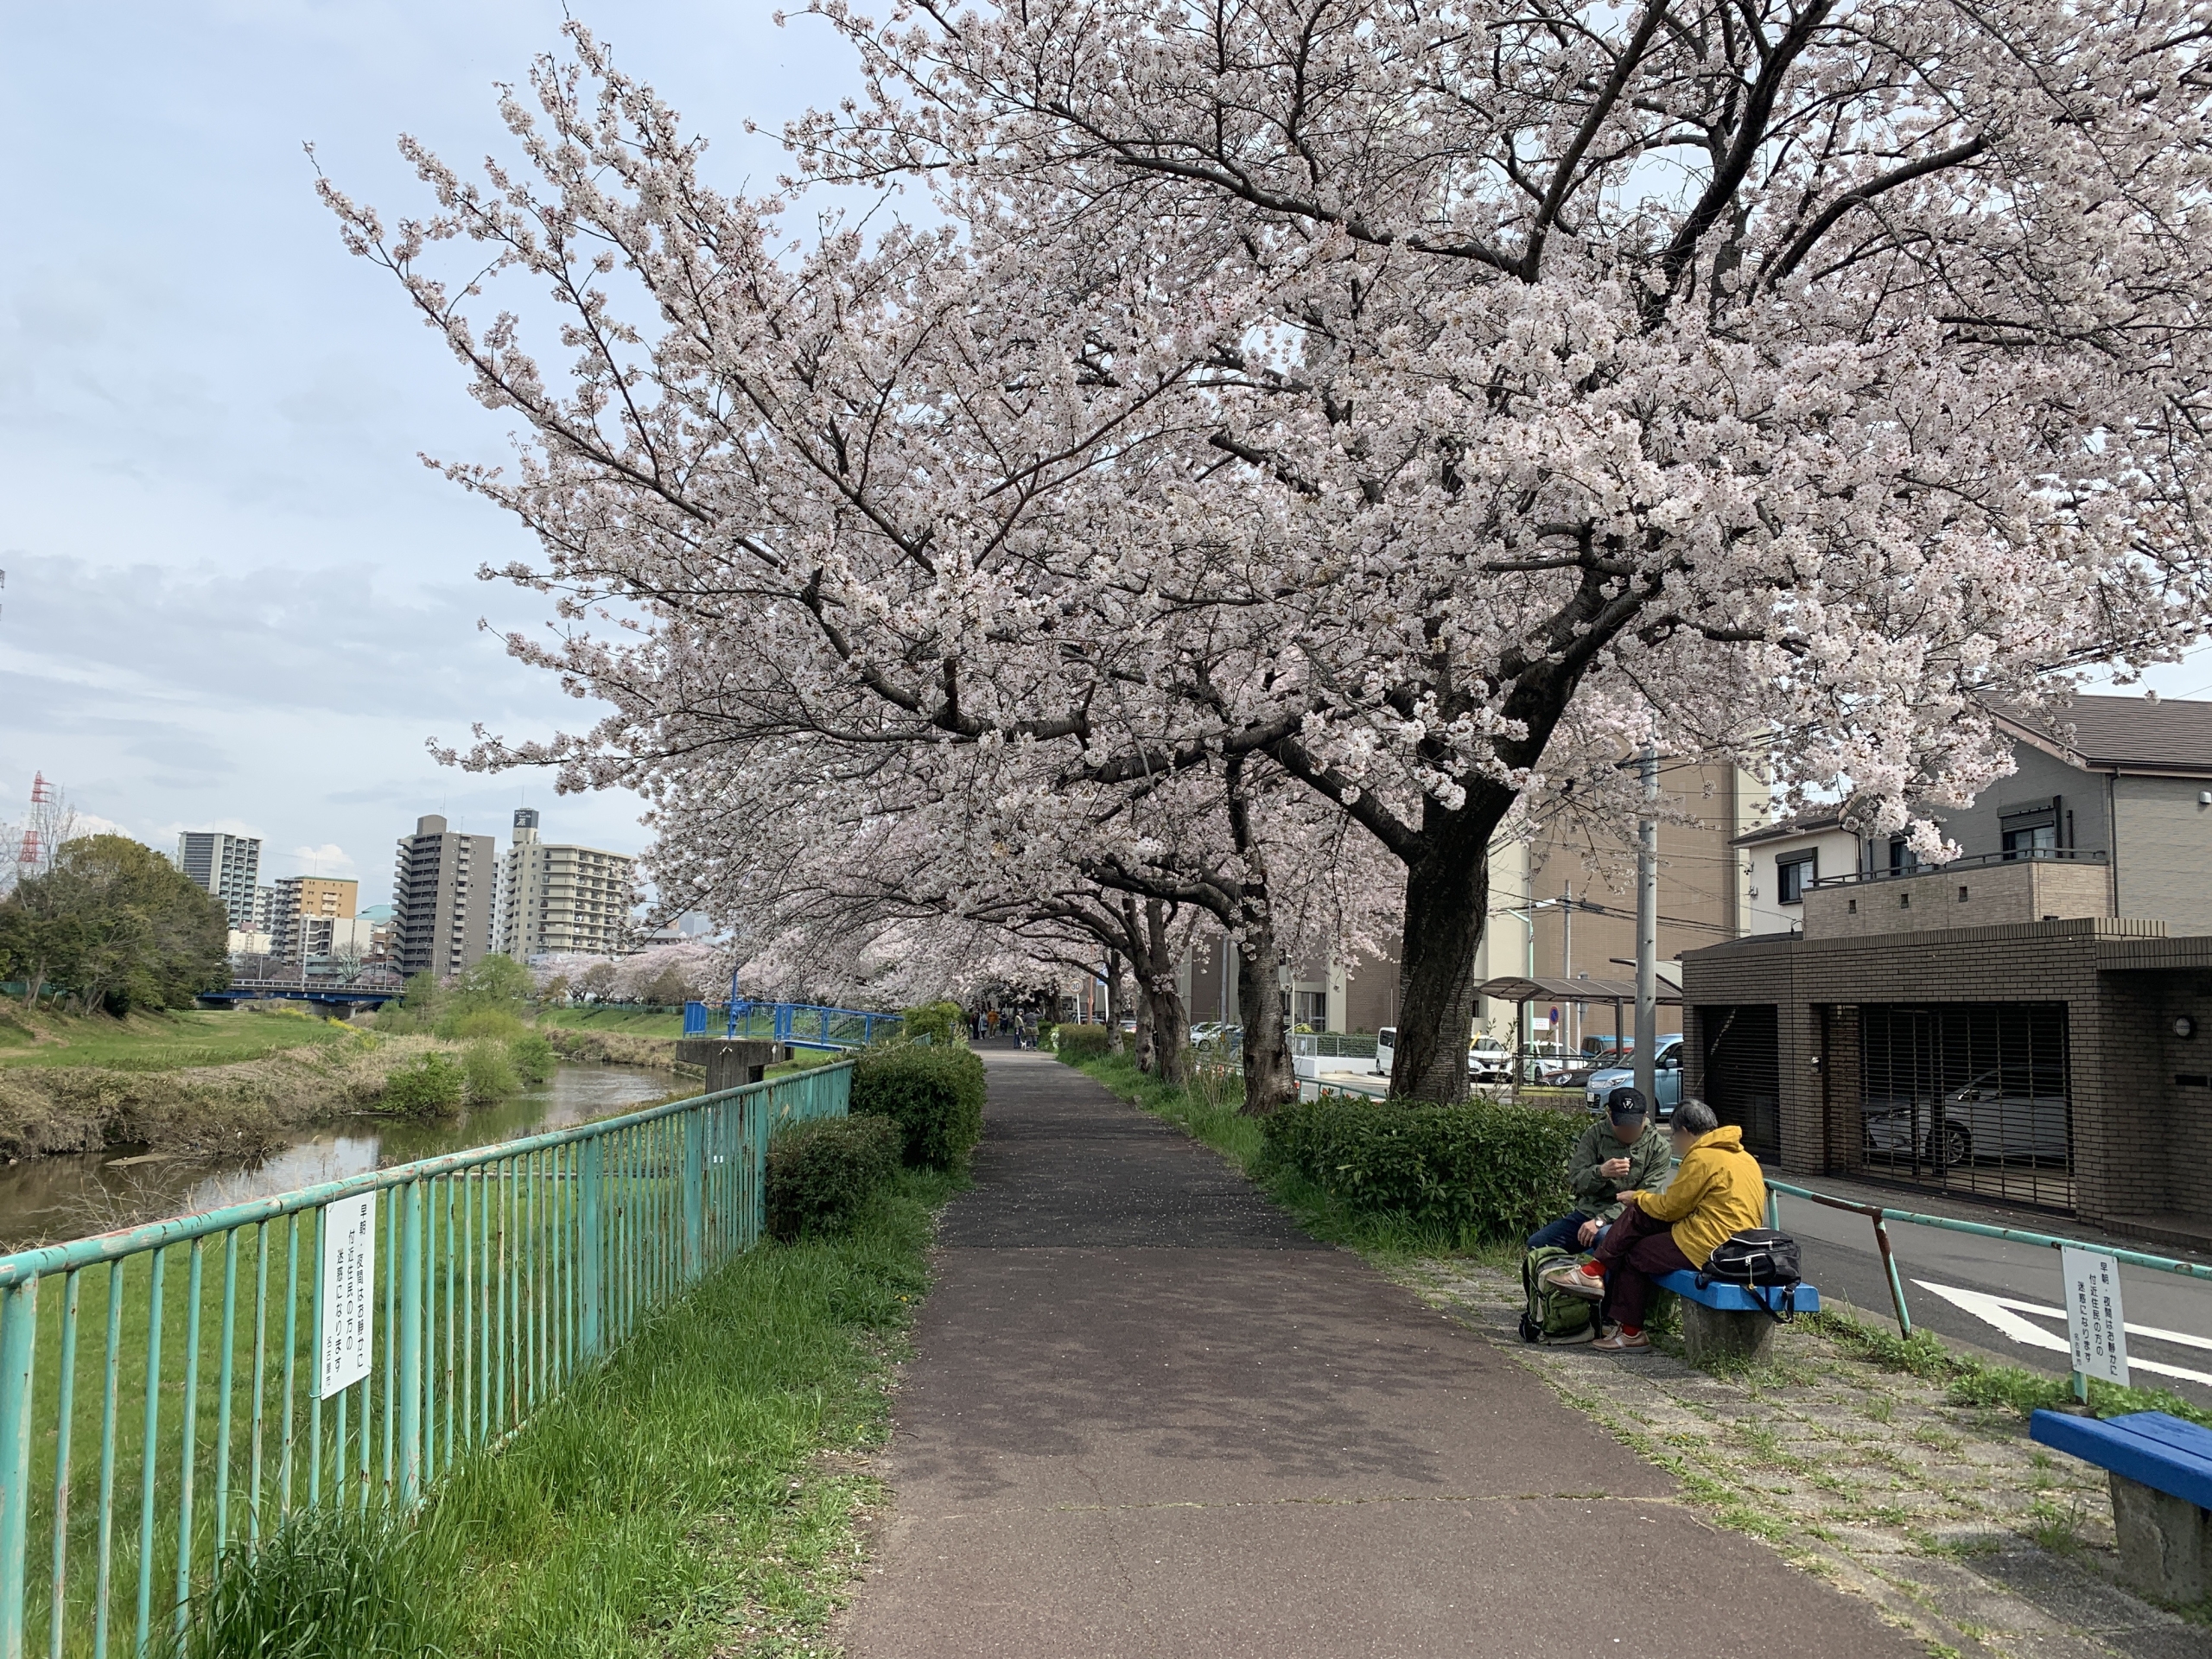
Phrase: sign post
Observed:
(2096, 1330)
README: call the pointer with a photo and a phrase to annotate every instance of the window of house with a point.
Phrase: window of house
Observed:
(2031, 838)
(1903, 860)
(1792, 875)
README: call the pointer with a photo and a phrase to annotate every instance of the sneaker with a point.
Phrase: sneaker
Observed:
(1619, 1342)
(1576, 1282)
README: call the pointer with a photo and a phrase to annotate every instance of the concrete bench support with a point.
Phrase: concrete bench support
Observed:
(2161, 1470)
(2165, 1541)
(1728, 1323)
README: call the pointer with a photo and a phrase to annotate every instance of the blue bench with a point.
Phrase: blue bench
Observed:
(2161, 1470)
(1730, 1321)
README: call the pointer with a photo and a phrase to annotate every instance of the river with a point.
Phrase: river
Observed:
(42, 1199)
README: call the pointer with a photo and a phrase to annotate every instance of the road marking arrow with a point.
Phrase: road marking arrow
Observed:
(2003, 1313)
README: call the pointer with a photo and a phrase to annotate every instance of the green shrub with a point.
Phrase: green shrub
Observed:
(490, 1073)
(467, 1024)
(1079, 1042)
(941, 1021)
(822, 1171)
(532, 1057)
(424, 1087)
(934, 1095)
(1484, 1168)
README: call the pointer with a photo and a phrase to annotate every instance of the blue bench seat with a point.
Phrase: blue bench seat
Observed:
(2161, 1472)
(2148, 1447)
(1736, 1298)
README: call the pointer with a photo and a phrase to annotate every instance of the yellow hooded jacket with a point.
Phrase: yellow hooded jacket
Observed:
(1717, 1191)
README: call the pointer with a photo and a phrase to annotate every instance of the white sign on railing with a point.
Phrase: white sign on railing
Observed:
(2096, 1329)
(349, 1259)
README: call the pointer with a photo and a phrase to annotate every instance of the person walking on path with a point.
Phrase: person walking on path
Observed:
(1717, 1192)
(1619, 1153)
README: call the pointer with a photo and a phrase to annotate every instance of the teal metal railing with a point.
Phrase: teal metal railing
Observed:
(173, 1391)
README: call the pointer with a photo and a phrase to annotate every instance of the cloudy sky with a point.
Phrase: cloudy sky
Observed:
(235, 598)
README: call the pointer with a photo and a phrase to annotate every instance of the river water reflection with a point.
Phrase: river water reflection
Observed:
(42, 1199)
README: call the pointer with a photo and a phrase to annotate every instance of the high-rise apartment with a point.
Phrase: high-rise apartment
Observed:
(441, 899)
(304, 899)
(555, 898)
(226, 865)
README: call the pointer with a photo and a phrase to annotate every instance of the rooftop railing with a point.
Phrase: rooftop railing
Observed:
(1975, 861)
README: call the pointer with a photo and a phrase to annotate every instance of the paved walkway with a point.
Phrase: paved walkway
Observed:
(1147, 1416)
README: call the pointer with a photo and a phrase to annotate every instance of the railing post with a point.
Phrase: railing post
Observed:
(587, 1320)
(695, 1193)
(18, 1343)
(411, 1346)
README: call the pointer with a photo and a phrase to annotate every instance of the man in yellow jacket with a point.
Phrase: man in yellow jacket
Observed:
(1716, 1193)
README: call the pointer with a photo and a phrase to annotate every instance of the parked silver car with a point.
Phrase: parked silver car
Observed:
(1996, 1116)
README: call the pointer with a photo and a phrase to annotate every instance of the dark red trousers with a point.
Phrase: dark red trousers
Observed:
(1635, 1250)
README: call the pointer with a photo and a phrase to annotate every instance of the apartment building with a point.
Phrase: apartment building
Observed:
(227, 866)
(441, 899)
(1562, 905)
(304, 899)
(556, 898)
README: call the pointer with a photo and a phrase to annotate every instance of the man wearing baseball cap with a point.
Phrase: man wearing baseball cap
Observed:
(1622, 1153)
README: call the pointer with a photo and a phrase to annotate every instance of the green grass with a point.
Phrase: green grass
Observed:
(1974, 1383)
(634, 1021)
(155, 1042)
(1208, 1111)
(701, 1494)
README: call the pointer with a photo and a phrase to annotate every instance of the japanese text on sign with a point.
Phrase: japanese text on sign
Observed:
(349, 1239)
(2096, 1328)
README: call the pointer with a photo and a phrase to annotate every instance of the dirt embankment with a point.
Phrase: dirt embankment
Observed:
(198, 1109)
(614, 1048)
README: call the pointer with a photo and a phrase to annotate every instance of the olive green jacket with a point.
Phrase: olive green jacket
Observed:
(1598, 1195)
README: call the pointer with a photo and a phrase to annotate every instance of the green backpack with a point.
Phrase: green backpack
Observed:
(1553, 1316)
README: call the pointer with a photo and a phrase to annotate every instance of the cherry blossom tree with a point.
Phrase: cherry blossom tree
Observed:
(1428, 402)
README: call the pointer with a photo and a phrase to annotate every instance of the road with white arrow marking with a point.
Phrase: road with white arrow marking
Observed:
(2005, 1297)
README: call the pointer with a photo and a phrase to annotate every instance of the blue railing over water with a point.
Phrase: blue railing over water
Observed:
(803, 1024)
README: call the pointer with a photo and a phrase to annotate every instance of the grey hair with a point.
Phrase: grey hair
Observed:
(1695, 1116)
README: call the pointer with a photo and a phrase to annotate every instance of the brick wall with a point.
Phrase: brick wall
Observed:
(2136, 1133)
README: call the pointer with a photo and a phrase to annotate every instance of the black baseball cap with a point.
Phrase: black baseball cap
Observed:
(1624, 1104)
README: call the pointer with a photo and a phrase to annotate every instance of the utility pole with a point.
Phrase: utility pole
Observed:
(1647, 930)
(1567, 959)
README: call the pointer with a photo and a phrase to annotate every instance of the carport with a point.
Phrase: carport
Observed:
(1522, 989)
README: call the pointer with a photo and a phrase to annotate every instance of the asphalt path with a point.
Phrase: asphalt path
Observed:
(2003, 1298)
(1148, 1418)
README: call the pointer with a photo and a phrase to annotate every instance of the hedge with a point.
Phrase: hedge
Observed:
(1484, 1167)
(820, 1172)
(1079, 1042)
(935, 1095)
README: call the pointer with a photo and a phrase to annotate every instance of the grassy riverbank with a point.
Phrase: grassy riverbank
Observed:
(153, 1042)
(304, 1072)
(704, 1493)
(634, 1022)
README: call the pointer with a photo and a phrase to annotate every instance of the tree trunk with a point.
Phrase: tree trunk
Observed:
(1169, 1022)
(1269, 1081)
(1115, 1001)
(1447, 896)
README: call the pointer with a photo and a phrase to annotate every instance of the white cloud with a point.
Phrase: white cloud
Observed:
(329, 859)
